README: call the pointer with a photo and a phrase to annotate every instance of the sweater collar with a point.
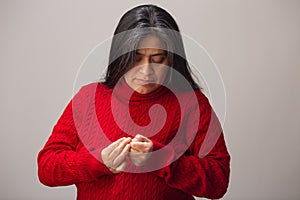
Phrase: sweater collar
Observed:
(124, 92)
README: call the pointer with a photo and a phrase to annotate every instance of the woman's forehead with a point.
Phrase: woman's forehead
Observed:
(151, 42)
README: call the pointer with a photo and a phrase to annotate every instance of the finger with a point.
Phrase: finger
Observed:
(134, 140)
(125, 142)
(121, 167)
(106, 151)
(141, 138)
(142, 147)
(113, 145)
(117, 150)
(120, 158)
(138, 146)
(132, 150)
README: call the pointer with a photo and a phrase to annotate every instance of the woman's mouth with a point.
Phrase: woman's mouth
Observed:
(144, 82)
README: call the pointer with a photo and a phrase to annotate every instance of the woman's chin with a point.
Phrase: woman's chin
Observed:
(146, 88)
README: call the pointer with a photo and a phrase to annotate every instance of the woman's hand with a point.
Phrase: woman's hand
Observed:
(140, 151)
(114, 155)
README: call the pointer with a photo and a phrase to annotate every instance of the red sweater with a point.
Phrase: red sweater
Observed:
(185, 167)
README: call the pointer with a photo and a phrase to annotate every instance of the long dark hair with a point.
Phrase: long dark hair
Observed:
(134, 25)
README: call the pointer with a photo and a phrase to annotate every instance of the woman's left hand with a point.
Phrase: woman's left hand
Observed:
(141, 148)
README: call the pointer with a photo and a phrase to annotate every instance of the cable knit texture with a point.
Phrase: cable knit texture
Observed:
(72, 153)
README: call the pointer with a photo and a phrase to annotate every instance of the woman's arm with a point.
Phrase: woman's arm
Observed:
(205, 172)
(61, 162)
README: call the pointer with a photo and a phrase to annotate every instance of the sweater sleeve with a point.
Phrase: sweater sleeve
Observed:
(61, 162)
(203, 170)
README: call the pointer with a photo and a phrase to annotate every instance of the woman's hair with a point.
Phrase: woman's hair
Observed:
(135, 25)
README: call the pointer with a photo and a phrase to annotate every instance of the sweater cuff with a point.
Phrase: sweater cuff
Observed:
(96, 167)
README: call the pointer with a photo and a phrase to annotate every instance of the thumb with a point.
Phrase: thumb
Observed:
(141, 138)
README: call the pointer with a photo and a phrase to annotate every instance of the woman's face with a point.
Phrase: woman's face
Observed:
(149, 69)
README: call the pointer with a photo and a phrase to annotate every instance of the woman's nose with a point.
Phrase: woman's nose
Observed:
(146, 67)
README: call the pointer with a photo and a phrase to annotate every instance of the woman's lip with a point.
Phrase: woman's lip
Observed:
(144, 82)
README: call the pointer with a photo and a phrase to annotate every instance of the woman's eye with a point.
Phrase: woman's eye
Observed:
(158, 59)
(138, 58)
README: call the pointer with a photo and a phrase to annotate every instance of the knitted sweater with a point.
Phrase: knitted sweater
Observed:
(185, 165)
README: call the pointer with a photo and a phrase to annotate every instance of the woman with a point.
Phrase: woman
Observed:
(141, 133)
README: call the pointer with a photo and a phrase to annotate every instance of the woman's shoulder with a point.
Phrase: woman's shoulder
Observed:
(195, 95)
(94, 87)
(200, 95)
(91, 89)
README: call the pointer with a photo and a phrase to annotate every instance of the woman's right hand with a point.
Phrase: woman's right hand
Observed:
(114, 155)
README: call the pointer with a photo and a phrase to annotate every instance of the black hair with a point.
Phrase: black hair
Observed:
(136, 24)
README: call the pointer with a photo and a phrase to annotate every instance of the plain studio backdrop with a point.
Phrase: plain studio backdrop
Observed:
(255, 45)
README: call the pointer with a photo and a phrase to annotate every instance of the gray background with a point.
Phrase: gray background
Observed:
(255, 44)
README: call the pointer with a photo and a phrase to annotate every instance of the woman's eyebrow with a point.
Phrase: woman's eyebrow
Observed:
(155, 54)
